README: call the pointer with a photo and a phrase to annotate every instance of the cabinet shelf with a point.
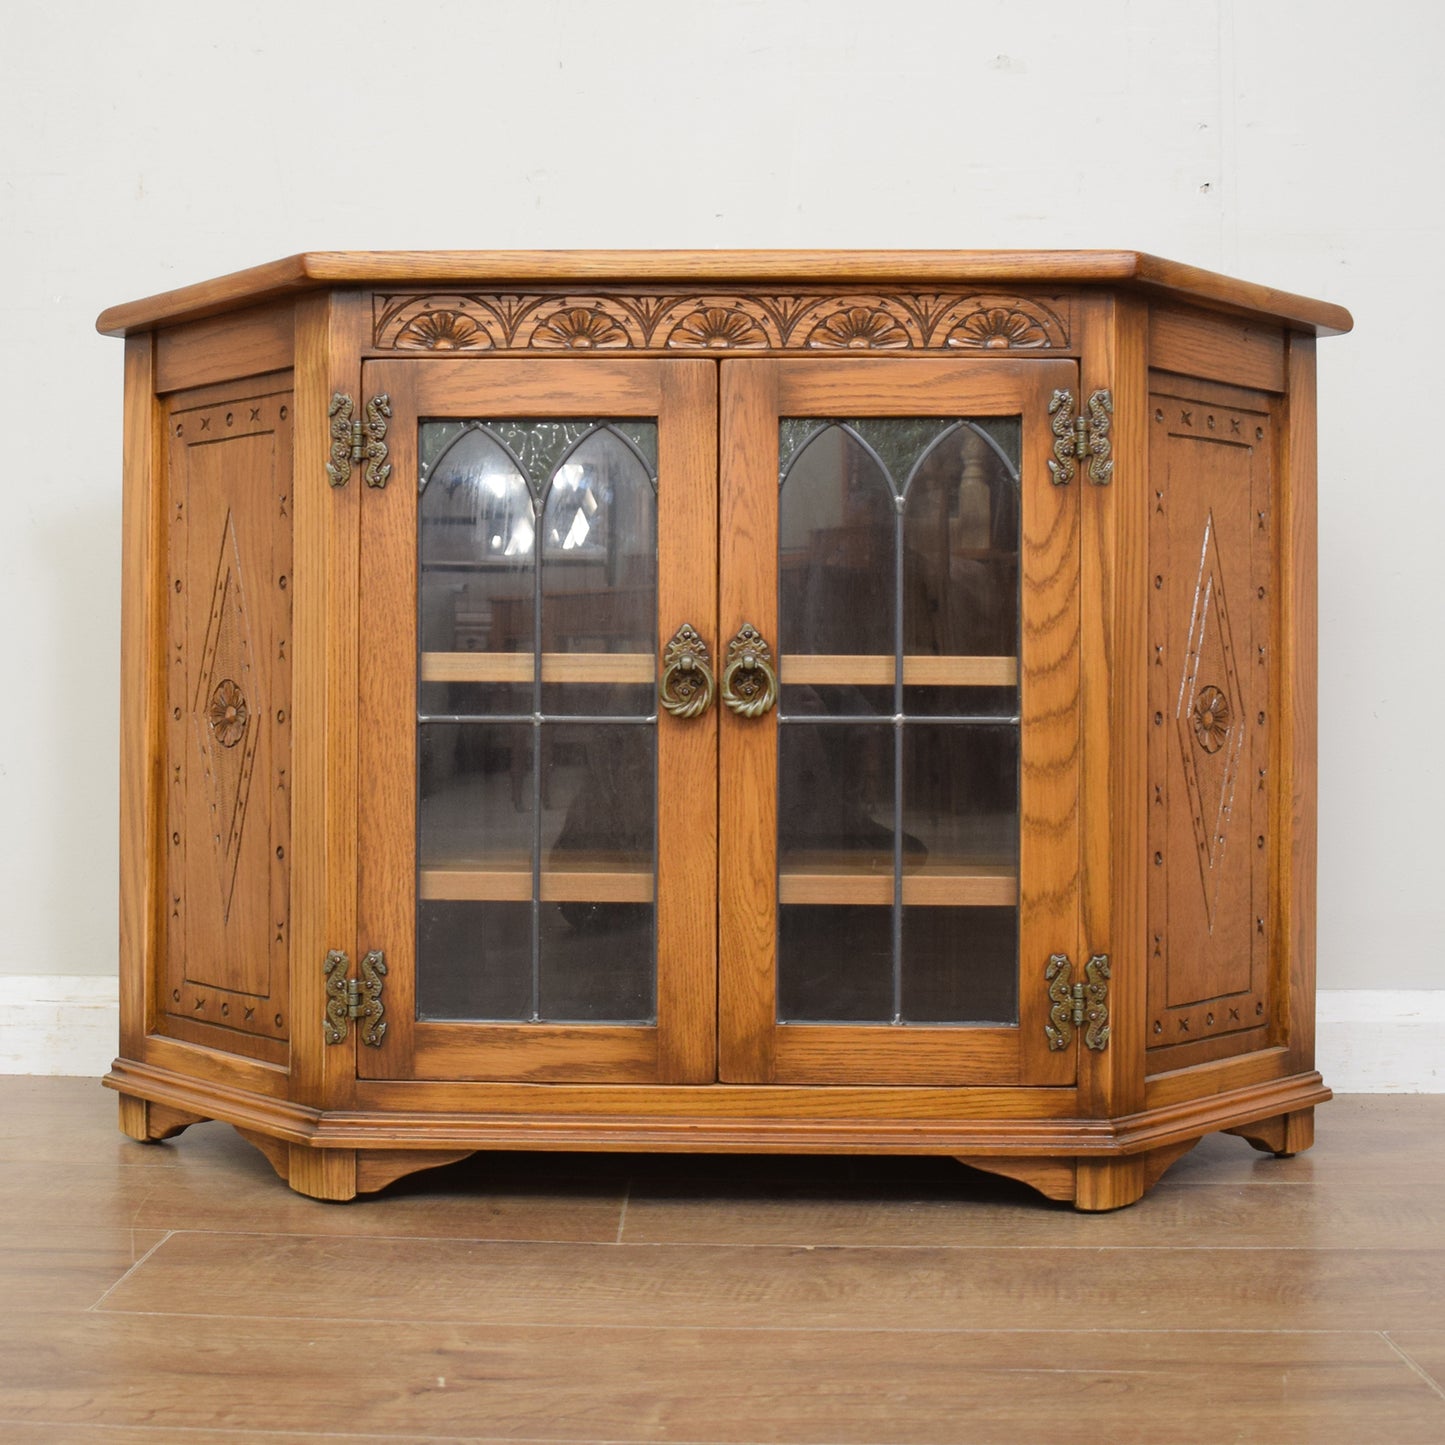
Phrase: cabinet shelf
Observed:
(809, 669)
(839, 879)
(824, 669)
(587, 878)
(556, 667)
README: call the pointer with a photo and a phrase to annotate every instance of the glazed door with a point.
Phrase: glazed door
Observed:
(899, 652)
(537, 835)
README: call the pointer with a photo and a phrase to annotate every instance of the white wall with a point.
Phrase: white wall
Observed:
(1295, 142)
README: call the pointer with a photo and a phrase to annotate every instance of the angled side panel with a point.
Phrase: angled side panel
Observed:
(228, 650)
(1212, 613)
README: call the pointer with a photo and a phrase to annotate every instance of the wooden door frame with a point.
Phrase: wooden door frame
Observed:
(681, 1046)
(753, 1047)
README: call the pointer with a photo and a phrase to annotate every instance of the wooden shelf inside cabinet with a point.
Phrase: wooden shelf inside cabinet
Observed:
(583, 878)
(839, 878)
(827, 669)
(556, 667)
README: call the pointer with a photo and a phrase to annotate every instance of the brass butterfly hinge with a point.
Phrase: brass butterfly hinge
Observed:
(1082, 1005)
(1079, 440)
(354, 441)
(351, 998)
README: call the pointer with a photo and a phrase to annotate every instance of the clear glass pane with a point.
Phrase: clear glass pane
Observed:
(959, 957)
(960, 793)
(597, 963)
(839, 964)
(961, 578)
(478, 960)
(835, 796)
(476, 841)
(898, 842)
(836, 576)
(959, 965)
(474, 795)
(599, 786)
(599, 868)
(475, 527)
(599, 579)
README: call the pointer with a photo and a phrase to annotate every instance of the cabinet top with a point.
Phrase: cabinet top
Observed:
(315, 270)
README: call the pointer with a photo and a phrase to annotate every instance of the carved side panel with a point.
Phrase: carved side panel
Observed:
(228, 701)
(1210, 697)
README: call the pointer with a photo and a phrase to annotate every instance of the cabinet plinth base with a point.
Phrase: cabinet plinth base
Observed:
(149, 1123)
(1283, 1136)
(342, 1174)
(1094, 1164)
(1091, 1185)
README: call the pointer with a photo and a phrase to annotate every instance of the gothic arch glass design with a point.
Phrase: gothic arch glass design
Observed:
(898, 720)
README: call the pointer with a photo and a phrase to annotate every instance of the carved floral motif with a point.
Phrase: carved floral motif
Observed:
(859, 328)
(443, 331)
(718, 327)
(999, 328)
(1211, 718)
(721, 320)
(580, 328)
(227, 713)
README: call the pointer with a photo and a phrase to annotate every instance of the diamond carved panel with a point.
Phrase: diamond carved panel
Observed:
(1207, 722)
(225, 731)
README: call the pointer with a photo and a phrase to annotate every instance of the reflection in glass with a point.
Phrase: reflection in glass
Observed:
(599, 570)
(477, 569)
(536, 836)
(474, 795)
(835, 561)
(835, 794)
(898, 838)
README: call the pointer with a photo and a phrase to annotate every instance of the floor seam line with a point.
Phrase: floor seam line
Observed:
(94, 1308)
(1423, 1374)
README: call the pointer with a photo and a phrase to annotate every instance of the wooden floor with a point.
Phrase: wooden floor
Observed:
(181, 1293)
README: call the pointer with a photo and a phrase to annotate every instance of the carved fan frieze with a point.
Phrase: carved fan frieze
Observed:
(719, 321)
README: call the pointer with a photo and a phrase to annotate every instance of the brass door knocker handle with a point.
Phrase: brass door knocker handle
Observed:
(687, 687)
(749, 684)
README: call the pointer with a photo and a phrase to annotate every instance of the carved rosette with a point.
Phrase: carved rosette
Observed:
(1005, 323)
(713, 321)
(227, 713)
(443, 331)
(1211, 717)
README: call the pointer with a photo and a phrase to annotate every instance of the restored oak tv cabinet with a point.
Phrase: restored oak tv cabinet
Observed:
(730, 701)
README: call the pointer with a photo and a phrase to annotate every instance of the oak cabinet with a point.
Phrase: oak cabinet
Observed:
(731, 701)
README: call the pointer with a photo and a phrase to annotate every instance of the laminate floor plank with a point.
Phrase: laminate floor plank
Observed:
(937, 1209)
(927, 1287)
(1426, 1352)
(793, 1387)
(69, 1270)
(181, 1293)
(453, 1201)
(60, 1120)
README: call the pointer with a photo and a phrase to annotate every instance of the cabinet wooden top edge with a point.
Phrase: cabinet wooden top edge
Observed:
(499, 269)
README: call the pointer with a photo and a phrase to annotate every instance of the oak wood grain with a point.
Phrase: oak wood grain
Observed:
(1219, 348)
(226, 348)
(312, 270)
(142, 683)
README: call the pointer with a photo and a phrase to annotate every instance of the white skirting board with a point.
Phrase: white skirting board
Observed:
(1370, 1041)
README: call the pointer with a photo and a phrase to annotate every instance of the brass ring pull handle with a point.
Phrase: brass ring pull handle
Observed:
(687, 687)
(749, 684)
